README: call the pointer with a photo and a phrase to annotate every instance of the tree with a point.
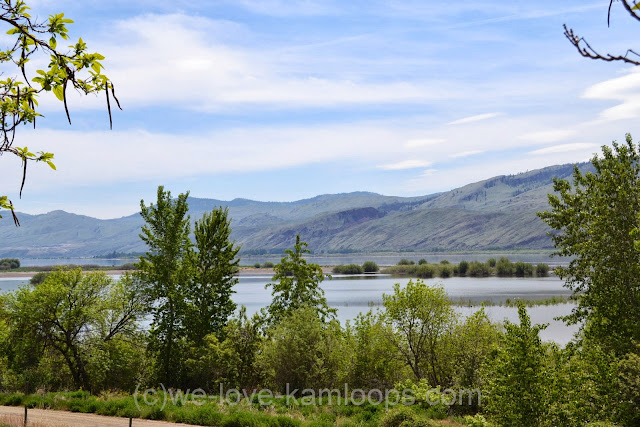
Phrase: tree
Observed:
(585, 49)
(75, 67)
(596, 222)
(518, 385)
(76, 315)
(422, 318)
(166, 269)
(297, 283)
(215, 266)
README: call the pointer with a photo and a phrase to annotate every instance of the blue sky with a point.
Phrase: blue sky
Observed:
(284, 99)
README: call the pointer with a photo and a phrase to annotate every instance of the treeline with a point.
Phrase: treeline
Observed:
(9, 263)
(502, 267)
(366, 267)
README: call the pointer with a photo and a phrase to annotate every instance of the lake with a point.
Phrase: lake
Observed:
(352, 295)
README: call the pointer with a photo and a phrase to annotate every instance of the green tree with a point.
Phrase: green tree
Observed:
(74, 314)
(518, 388)
(216, 264)
(596, 221)
(295, 284)
(166, 268)
(422, 319)
(31, 42)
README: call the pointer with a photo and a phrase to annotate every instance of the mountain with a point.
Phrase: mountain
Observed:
(498, 213)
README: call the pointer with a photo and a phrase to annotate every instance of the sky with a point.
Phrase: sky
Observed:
(280, 100)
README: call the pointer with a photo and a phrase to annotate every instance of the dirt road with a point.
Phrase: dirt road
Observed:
(13, 416)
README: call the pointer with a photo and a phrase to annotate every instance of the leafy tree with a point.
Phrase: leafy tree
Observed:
(519, 382)
(33, 42)
(596, 221)
(370, 267)
(74, 315)
(296, 283)
(216, 264)
(422, 319)
(166, 269)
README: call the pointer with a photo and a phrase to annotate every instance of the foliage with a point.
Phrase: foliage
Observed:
(519, 381)
(596, 220)
(522, 269)
(348, 269)
(542, 270)
(9, 263)
(165, 268)
(463, 267)
(423, 318)
(478, 269)
(296, 283)
(370, 267)
(32, 42)
(405, 261)
(216, 265)
(504, 267)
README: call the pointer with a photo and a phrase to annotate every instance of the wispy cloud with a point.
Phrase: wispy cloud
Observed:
(424, 142)
(465, 154)
(475, 118)
(406, 164)
(566, 148)
(552, 135)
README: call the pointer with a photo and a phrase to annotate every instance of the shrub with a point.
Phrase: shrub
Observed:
(504, 267)
(523, 269)
(267, 264)
(348, 269)
(491, 262)
(256, 265)
(425, 271)
(463, 267)
(445, 262)
(422, 261)
(38, 278)
(445, 271)
(397, 417)
(478, 269)
(370, 267)
(542, 270)
(405, 261)
(9, 263)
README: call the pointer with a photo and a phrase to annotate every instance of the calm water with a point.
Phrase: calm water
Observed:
(352, 295)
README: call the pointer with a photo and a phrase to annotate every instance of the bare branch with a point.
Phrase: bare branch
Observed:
(585, 49)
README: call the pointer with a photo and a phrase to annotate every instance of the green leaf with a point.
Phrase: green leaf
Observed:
(59, 92)
(52, 42)
(51, 165)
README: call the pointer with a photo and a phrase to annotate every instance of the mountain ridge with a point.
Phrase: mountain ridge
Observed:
(498, 213)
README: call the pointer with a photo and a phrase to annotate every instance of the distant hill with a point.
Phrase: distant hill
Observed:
(498, 213)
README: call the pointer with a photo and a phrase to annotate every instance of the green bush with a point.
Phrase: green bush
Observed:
(38, 278)
(9, 263)
(370, 267)
(504, 267)
(256, 265)
(542, 270)
(445, 271)
(425, 271)
(422, 261)
(463, 267)
(444, 262)
(523, 269)
(267, 264)
(478, 269)
(348, 269)
(397, 417)
(491, 262)
(405, 261)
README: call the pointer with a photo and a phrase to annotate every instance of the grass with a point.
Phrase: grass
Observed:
(278, 411)
(514, 302)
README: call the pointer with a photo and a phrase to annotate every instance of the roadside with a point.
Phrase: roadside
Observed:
(14, 417)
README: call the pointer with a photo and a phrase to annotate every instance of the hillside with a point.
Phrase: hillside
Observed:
(498, 213)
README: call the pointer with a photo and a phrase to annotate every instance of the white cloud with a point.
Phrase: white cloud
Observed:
(625, 90)
(424, 142)
(475, 118)
(466, 154)
(566, 148)
(552, 135)
(406, 164)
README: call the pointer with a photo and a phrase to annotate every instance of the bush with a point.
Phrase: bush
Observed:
(405, 261)
(422, 261)
(491, 262)
(542, 270)
(504, 267)
(397, 417)
(445, 271)
(463, 267)
(425, 271)
(267, 264)
(478, 269)
(370, 267)
(256, 265)
(445, 262)
(347, 269)
(523, 269)
(38, 278)
(9, 263)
